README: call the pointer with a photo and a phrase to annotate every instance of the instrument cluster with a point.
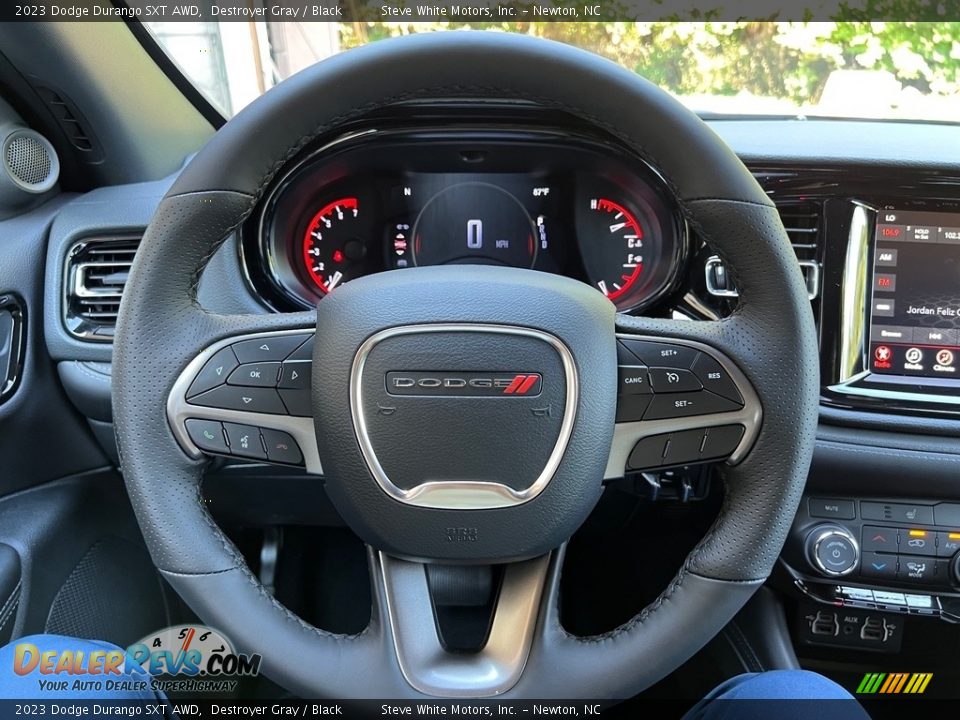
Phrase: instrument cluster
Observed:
(535, 199)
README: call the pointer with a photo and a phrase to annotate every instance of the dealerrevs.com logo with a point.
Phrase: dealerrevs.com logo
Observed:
(183, 658)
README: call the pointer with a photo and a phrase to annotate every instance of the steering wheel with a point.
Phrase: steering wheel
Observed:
(423, 475)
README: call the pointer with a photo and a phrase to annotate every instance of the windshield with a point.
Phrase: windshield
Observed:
(906, 70)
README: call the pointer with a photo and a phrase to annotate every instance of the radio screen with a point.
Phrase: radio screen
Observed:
(915, 301)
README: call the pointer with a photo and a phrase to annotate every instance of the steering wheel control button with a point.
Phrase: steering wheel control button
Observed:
(245, 441)
(214, 372)
(632, 380)
(715, 378)
(305, 351)
(671, 380)
(656, 354)
(688, 404)
(721, 441)
(879, 539)
(832, 509)
(295, 375)
(897, 512)
(648, 453)
(877, 565)
(281, 447)
(630, 408)
(230, 397)
(625, 357)
(255, 375)
(298, 402)
(833, 550)
(207, 435)
(272, 349)
(683, 447)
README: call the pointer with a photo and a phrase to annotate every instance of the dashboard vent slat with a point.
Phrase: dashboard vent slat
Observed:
(802, 221)
(96, 274)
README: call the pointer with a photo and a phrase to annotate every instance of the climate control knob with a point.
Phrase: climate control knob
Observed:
(832, 550)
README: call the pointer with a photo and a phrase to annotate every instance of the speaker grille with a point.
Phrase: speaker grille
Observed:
(28, 160)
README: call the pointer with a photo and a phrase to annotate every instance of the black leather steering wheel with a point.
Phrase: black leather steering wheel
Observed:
(556, 327)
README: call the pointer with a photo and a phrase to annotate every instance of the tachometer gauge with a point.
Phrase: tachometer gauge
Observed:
(334, 250)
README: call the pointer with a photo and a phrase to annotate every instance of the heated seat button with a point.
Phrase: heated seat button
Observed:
(230, 397)
(270, 349)
(676, 405)
(656, 354)
(214, 372)
(648, 453)
(715, 378)
(721, 441)
(683, 447)
(255, 375)
(633, 380)
(897, 512)
(207, 435)
(670, 380)
(630, 408)
(281, 447)
(879, 539)
(245, 441)
(878, 566)
(295, 374)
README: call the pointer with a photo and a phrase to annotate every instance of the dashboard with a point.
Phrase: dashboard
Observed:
(542, 199)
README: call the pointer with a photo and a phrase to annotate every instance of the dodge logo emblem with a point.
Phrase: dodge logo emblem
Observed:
(465, 384)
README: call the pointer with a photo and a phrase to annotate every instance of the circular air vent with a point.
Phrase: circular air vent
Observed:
(30, 161)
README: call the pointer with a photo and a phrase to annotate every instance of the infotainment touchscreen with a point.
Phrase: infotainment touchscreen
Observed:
(915, 299)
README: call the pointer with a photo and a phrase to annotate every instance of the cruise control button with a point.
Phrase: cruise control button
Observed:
(305, 351)
(230, 397)
(255, 375)
(630, 408)
(298, 402)
(721, 441)
(675, 405)
(214, 372)
(683, 447)
(207, 435)
(295, 374)
(917, 542)
(880, 539)
(267, 349)
(947, 543)
(656, 354)
(648, 453)
(668, 380)
(715, 378)
(878, 566)
(633, 380)
(281, 447)
(245, 441)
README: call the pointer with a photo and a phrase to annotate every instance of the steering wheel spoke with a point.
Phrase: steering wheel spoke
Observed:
(249, 396)
(679, 402)
(412, 603)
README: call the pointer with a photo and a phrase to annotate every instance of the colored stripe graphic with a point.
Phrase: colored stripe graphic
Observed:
(894, 683)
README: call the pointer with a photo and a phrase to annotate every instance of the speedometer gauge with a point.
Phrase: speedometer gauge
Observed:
(334, 250)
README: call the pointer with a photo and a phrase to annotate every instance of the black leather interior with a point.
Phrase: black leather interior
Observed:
(772, 339)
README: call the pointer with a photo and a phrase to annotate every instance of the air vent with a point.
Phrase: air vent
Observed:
(71, 122)
(96, 273)
(801, 220)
